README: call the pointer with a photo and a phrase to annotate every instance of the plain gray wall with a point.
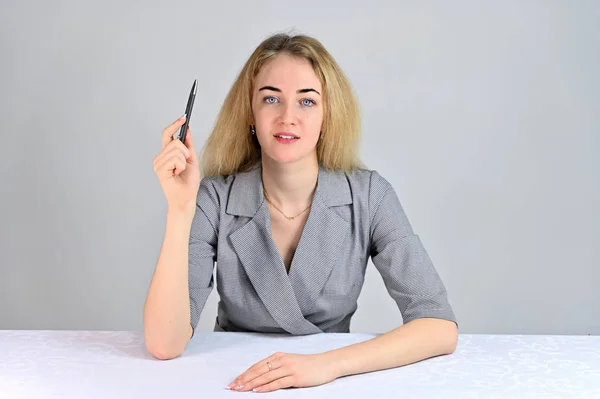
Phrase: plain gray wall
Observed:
(485, 118)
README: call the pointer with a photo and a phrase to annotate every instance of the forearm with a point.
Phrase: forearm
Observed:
(167, 308)
(417, 340)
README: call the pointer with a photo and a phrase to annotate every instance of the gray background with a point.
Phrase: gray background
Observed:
(484, 116)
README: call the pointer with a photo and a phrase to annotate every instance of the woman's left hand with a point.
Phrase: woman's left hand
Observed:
(286, 370)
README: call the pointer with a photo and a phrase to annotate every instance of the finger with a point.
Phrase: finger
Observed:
(167, 134)
(174, 147)
(266, 378)
(166, 155)
(258, 368)
(192, 158)
(178, 146)
(285, 382)
(179, 166)
(240, 382)
(189, 142)
(254, 371)
(183, 148)
(170, 166)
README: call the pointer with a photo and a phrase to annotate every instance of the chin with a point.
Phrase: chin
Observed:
(291, 158)
(286, 157)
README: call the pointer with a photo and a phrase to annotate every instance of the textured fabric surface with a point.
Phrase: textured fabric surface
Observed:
(354, 216)
(114, 364)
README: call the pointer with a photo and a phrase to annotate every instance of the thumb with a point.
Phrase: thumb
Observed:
(189, 143)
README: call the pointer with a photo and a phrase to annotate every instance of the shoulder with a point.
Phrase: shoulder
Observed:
(237, 192)
(370, 178)
(212, 192)
(223, 184)
(218, 184)
(369, 184)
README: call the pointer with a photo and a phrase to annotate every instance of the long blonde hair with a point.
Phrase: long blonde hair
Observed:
(231, 148)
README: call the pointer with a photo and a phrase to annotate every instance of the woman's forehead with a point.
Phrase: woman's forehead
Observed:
(287, 72)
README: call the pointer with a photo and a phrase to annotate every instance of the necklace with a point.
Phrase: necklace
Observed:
(280, 211)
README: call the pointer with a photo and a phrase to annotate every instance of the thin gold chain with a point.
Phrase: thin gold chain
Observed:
(280, 211)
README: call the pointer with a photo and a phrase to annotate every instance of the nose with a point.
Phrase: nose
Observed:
(288, 116)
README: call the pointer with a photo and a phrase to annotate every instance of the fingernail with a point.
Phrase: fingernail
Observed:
(183, 116)
(239, 387)
(257, 389)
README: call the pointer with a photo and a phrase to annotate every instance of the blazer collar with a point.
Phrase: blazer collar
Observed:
(246, 194)
(290, 298)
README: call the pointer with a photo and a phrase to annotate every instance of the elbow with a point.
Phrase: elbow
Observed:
(163, 347)
(163, 343)
(165, 355)
(451, 338)
(163, 352)
(451, 347)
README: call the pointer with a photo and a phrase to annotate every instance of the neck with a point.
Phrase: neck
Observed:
(290, 186)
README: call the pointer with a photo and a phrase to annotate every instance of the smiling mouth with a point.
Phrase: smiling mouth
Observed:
(286, 137)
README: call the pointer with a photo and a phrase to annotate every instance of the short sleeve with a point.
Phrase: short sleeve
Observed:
(400, 257)
(202, 249)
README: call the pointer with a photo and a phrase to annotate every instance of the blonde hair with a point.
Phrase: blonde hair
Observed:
(231, 148)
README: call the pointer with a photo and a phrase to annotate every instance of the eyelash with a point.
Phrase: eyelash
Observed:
(313, 102)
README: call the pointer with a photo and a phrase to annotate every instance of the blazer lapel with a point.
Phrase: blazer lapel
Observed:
(258, 254)
(324, 234)
(288, 297)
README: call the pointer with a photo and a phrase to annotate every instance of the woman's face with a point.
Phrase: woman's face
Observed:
(287, 99)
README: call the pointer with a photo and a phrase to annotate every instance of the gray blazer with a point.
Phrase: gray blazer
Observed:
(353, 216)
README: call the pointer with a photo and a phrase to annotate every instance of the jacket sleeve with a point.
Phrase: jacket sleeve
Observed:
(202, 249)
(400, 257)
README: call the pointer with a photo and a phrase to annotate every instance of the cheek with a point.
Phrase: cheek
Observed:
(314, 121)
(264, 115)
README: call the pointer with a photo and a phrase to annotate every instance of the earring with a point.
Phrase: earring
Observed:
(252, 130)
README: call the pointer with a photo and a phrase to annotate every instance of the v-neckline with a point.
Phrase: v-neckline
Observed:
(304, 227)
(300, 240)
(288, 297)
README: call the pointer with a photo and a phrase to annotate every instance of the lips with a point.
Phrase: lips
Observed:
(286, 135)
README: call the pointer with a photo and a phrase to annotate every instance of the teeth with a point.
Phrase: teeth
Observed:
(286, 137)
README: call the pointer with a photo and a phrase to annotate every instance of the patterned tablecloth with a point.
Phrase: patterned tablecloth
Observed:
(101, 364)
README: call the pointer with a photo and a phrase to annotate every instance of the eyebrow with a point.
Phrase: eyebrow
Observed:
(278, 90)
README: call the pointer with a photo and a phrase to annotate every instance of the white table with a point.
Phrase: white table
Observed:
(102, 364)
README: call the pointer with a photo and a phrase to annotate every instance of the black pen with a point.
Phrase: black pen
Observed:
(188, 112)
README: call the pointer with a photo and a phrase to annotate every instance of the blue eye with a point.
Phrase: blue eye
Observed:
(269, 98)
(310, 102)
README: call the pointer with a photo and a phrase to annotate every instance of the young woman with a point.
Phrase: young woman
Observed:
(290, 216)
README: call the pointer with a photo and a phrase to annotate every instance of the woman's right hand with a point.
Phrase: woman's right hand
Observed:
(177, 169)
